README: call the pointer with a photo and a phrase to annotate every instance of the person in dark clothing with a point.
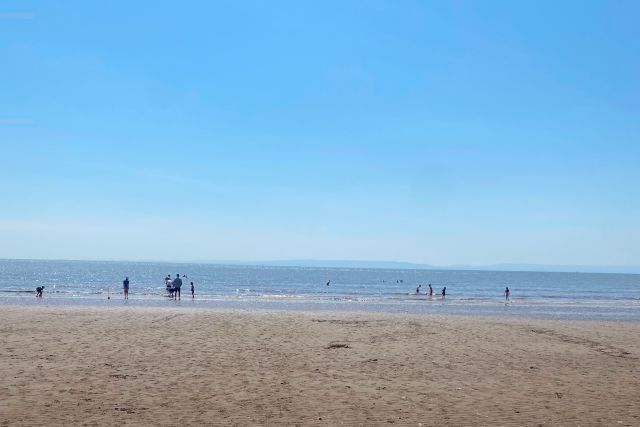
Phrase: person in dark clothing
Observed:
(444, 292)
(125, 287)
(39, 290)
(506, 293)
(193, 291)
(177, 284)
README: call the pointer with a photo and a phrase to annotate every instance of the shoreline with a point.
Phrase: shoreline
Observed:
(247, 307)
(418, 306)
(167, 365)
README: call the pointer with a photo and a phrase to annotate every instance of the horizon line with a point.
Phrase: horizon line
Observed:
(378, 264)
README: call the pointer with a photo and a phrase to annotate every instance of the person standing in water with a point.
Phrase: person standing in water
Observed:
(430, 290)
(506, 293)
(39, 290)
(444, 292)
(125, 287)
(177, 284)
(418, 289)
(193, 291)
(168, 282)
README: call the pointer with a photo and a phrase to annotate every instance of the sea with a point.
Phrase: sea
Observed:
(599, 296)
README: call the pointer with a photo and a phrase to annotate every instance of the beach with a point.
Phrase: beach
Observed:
(76, 365)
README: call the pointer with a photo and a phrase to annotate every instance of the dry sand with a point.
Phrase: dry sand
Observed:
(138, 366)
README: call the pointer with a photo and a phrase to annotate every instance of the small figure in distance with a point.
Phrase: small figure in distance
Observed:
(506, 293)
(177, 284)
(328, 282)
(444, 292)
(418, 289)
(125, 287)
(39, 290)
(430, 290)
(193, 291)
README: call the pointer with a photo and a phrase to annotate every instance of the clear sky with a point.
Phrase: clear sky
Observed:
(435, 132)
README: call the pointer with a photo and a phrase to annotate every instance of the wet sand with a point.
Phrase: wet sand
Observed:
(179, 366)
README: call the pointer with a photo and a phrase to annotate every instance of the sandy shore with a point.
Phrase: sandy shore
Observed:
(137, 366)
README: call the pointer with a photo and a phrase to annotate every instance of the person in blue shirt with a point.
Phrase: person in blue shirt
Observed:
(125, 287)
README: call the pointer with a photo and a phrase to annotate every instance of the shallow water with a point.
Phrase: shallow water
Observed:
(548, 295)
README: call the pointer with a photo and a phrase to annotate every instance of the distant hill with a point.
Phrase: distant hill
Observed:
(397, 265)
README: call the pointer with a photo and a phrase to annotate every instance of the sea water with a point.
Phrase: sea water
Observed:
(538, 294)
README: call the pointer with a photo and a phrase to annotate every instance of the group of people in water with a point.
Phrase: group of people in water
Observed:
(444, 291)
(174, 286)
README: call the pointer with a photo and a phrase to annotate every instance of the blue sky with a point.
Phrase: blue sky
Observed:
(434, 132)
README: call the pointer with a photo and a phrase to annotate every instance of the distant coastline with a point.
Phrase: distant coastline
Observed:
(415, 266)
(386, 265)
